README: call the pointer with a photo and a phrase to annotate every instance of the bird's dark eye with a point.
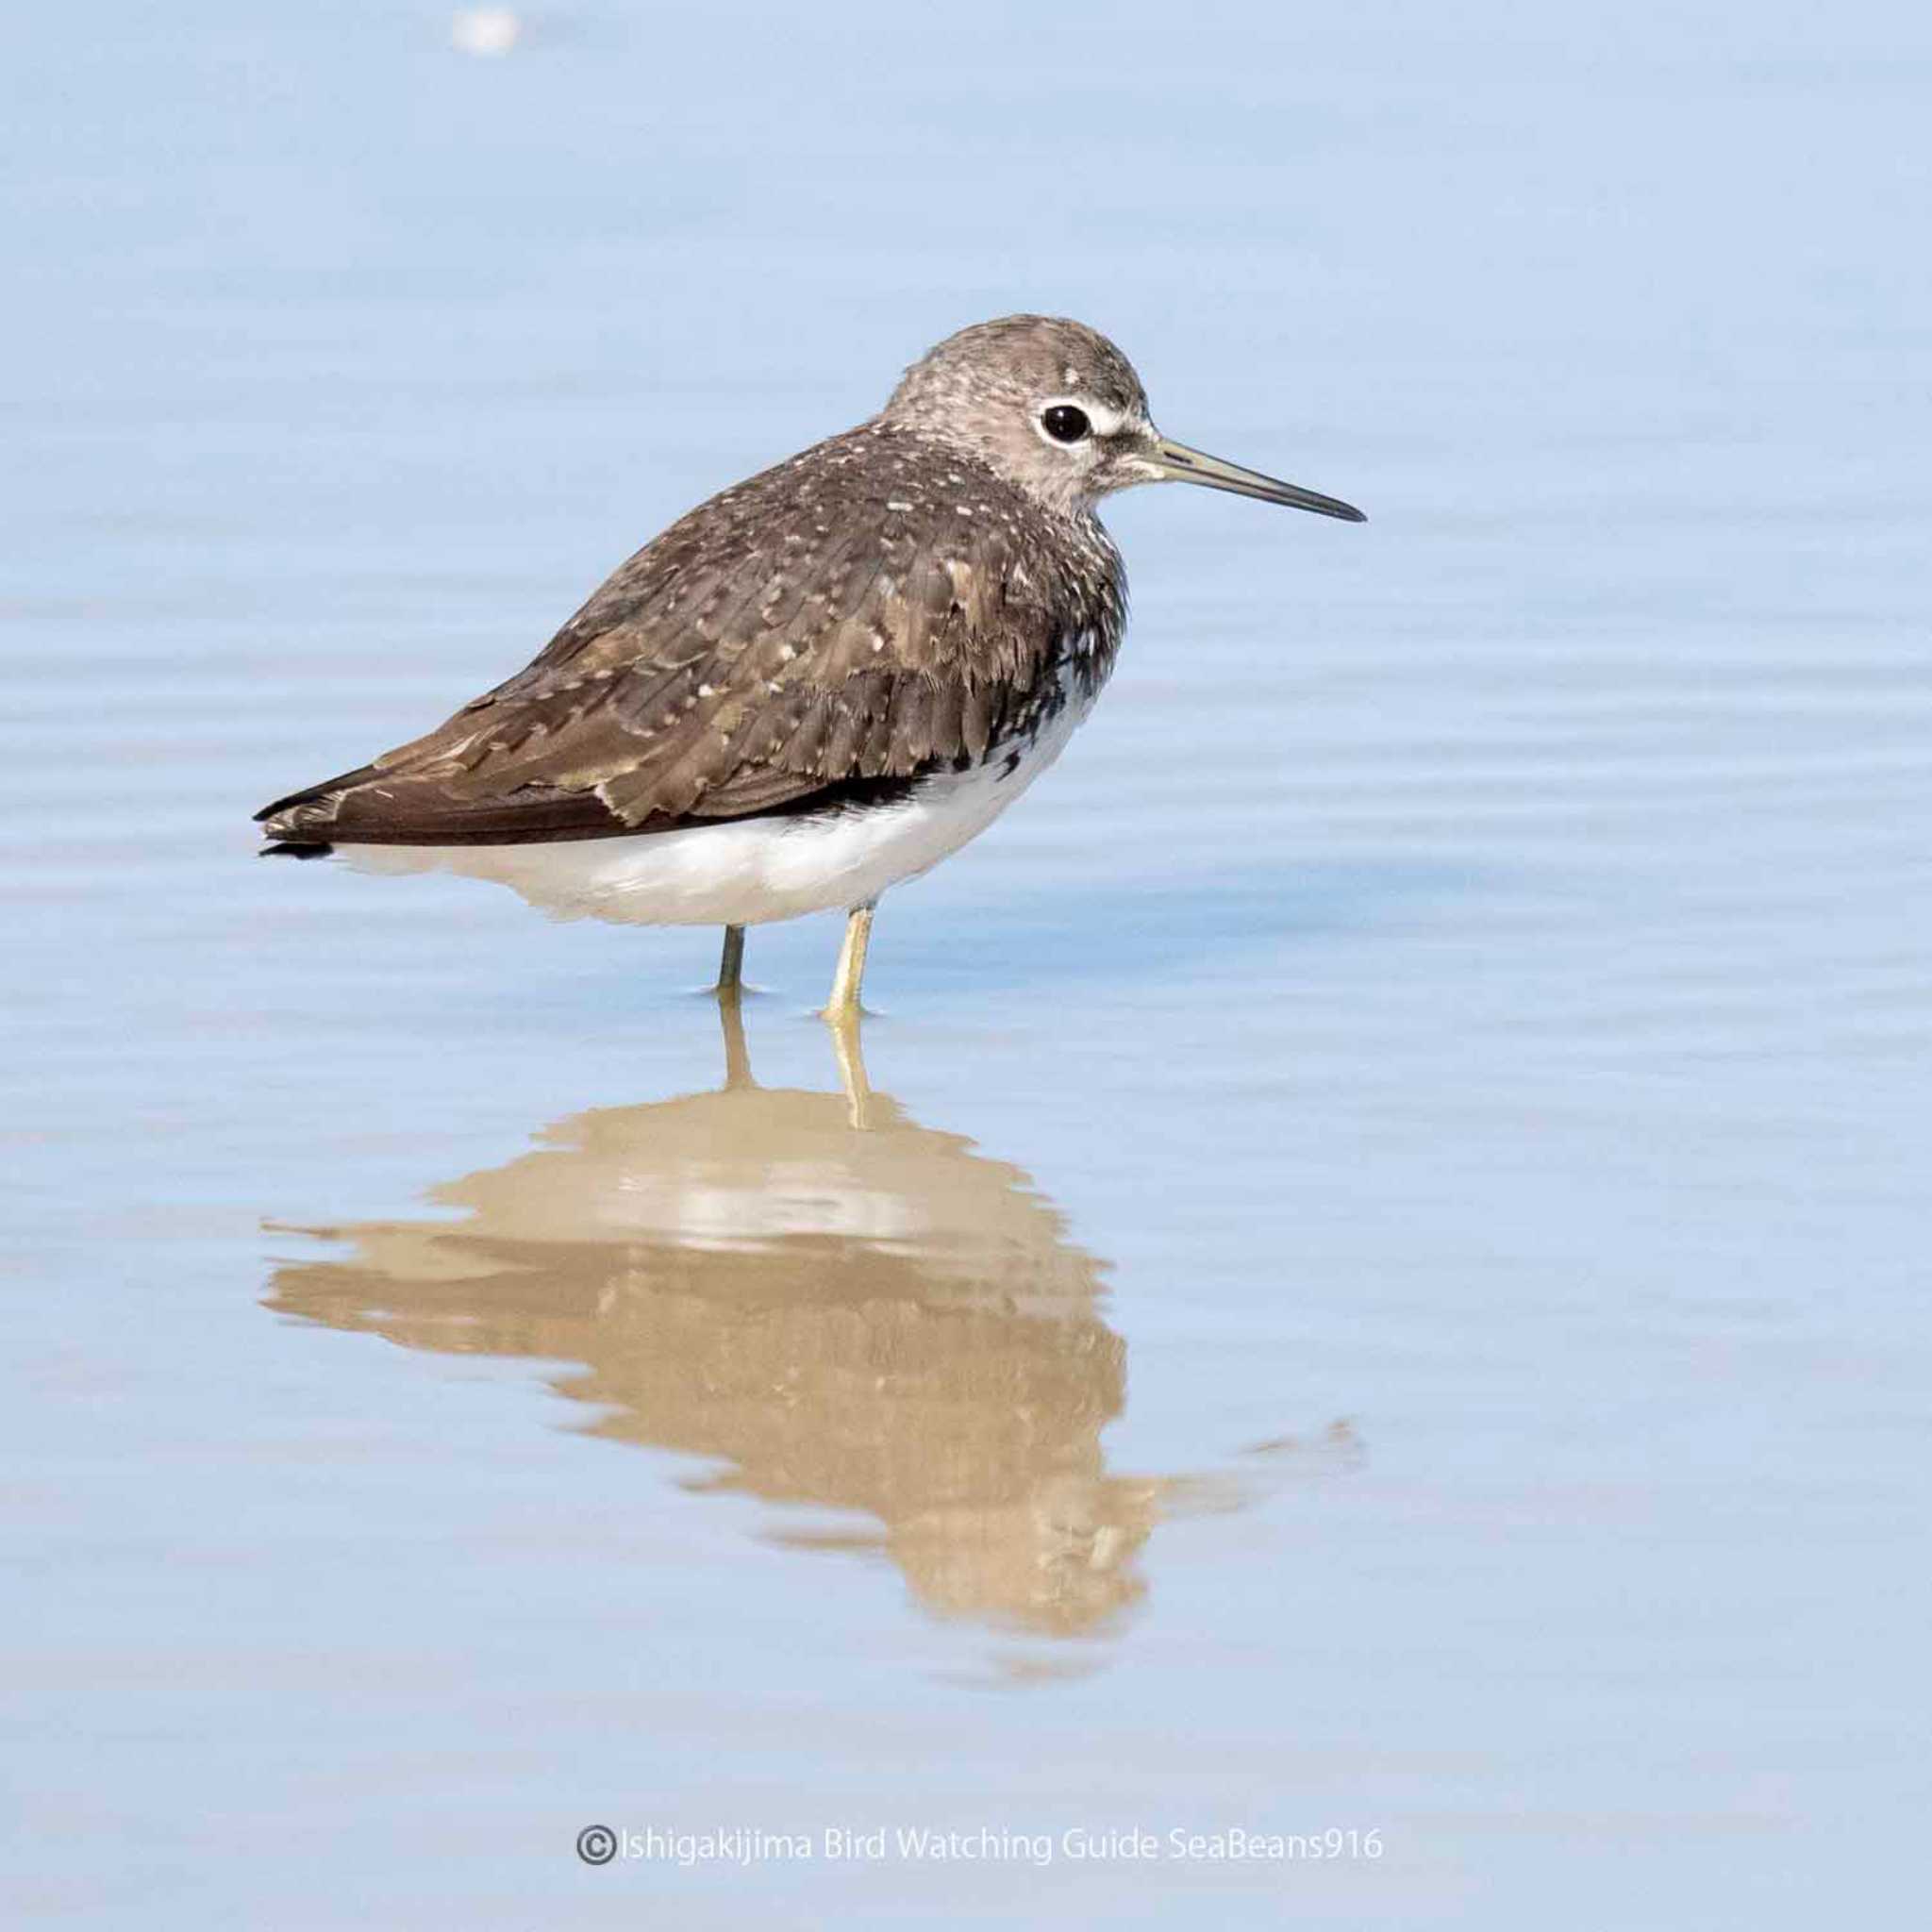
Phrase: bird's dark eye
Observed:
(1064, 423)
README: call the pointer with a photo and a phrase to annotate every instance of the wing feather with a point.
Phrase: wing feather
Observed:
(874, 608)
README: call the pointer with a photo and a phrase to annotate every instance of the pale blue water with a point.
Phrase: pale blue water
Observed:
(1388, 1291)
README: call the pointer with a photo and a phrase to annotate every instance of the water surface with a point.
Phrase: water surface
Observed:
(1379, 1284)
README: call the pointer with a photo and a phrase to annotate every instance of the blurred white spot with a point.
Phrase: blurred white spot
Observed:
(484, 30)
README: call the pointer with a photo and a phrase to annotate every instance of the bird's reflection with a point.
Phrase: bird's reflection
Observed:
(839, 1306)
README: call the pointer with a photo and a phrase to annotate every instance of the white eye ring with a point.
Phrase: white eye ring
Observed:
(1101, 420)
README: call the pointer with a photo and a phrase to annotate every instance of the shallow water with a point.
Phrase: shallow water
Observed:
(1377, 1288)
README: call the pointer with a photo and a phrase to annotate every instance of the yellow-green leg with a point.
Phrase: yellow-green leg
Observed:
(843, 1005)
(731, 964)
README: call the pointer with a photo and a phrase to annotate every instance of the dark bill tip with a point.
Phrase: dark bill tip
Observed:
(1184, 465)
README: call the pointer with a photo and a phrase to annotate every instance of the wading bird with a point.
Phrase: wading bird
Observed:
(816, 685)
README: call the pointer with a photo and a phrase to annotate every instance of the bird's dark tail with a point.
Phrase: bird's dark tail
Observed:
(300, 821)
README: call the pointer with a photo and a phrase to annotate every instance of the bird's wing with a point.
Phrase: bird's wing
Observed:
(872, 609)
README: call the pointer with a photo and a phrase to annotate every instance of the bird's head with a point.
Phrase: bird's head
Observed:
(1054, 407)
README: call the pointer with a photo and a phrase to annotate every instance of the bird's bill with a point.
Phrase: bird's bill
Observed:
(1175, 461)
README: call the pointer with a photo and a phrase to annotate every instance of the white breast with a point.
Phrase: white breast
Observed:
(747, 871)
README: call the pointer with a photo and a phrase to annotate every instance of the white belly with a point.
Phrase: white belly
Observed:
(750, 871)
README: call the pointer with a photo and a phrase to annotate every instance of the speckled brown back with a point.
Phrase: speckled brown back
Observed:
(881, 606)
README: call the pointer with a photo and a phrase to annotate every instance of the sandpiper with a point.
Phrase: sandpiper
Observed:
(818, 684)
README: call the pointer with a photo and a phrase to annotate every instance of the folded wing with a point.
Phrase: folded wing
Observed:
(870, 610)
